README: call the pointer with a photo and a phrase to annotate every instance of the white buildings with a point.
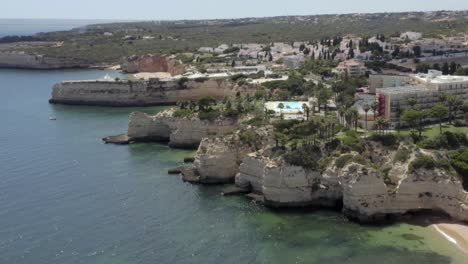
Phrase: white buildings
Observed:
(425, 91)
(411, 35)
(384, 81)
(250, 69)
(205, 50)
(288, 110)
(294, 61)
(353, 68)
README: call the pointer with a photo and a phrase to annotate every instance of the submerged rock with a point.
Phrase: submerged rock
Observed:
(235, 190)
(122, 139)
(189, 159)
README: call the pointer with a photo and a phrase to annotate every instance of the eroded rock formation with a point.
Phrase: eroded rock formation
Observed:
(152, 63)
(141, 93)
(372, 186)
(178, 132)
(21, 60)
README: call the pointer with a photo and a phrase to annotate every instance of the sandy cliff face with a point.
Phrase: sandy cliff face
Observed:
(22, 60)
(218, 158)
(152, 63)
(373, 186)
(141, 93)
(284, 185)
(368, 198)
(179, 132)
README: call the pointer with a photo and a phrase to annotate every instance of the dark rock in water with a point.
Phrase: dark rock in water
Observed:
(122, 139)
(189, 159)
(255, 197)
(190, 174)
(235, 190)
(177, 170)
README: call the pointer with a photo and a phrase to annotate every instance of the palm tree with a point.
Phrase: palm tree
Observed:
(443, 98)
(374, 108)
(412, 102)
(348, 118)
(342, 112)
(354, 117)
(439, 111)
(399, 113)
(306, 110)
(281, 107)
(453, 104)
(378, 124)
(385, 124)
(366, 109)
(458, 105)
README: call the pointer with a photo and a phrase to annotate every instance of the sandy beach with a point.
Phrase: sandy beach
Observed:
(455, 232)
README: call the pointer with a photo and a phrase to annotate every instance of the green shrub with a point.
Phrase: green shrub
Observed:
(209, 115)
(422, 162)
(459, 161)
(201, 79)
(182, 81)
(306, 156)
(283, 126)
(257, 121)
(402, 155)
(180, 113)
(238, 77)
(447, 140)
(249, 138)
(386, 140)
(231, 113)
(460, 123)
(351, 141)
(343, 160)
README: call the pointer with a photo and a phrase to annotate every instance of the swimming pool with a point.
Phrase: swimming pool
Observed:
(290, 105)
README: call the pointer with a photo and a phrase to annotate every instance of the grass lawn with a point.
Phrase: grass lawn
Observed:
(433, 131)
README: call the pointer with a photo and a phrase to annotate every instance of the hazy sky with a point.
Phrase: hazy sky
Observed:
(199, 9)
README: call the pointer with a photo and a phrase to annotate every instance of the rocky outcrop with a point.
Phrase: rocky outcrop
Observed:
(177, 132)
(218, 158)
(284, 185)
(141, 93)
(372, 186)
(21, 60)
(152, 63)
(368, 197)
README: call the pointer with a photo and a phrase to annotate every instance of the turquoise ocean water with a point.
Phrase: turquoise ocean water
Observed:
(65, 197)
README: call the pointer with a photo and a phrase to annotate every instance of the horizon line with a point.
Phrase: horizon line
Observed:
(248, 17)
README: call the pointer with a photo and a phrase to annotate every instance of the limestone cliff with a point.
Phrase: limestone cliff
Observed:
(218, 158)
(285, 185)
(21, 60)
(141, 93)
(178, 132)
(372, 186)
(152, 63)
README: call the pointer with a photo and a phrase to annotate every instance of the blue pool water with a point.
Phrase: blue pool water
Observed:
(290, 105)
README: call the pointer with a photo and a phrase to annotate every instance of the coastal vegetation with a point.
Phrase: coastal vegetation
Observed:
(108, 43)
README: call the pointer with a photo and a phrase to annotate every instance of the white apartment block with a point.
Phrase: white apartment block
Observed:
(426, 90)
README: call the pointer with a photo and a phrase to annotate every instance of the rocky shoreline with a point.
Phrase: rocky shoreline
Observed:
(155, 92)
(363, 193)
(176, 132)
(372, 186)
(21, 60)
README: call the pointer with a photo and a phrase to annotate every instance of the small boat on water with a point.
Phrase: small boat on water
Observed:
(52, 118)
